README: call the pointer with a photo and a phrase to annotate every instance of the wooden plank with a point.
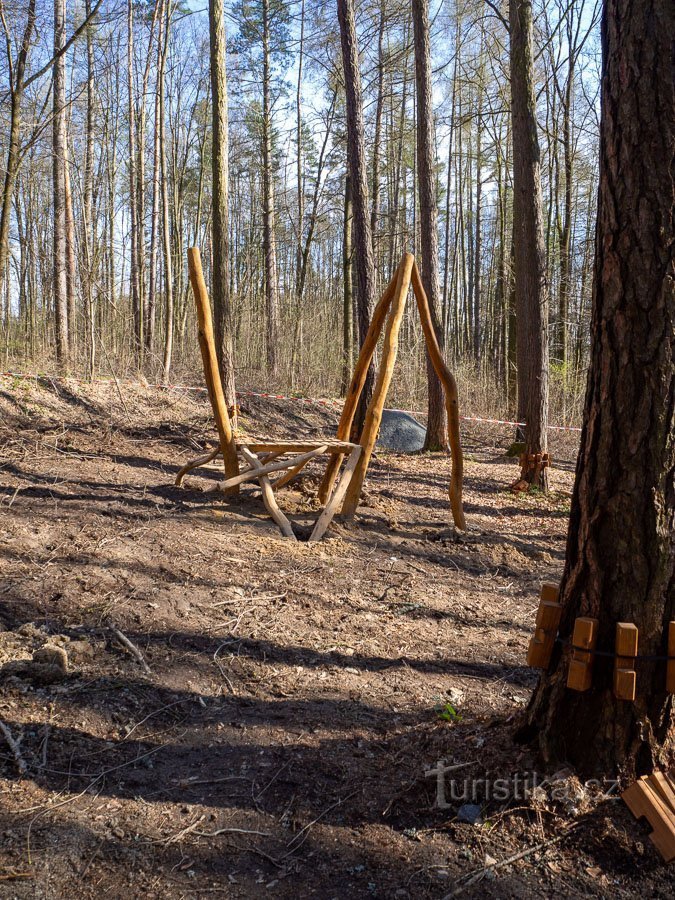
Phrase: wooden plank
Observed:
(663, 788)
(207, 347)
(644, 802)
(670, 665)
(585, 635)
(451, 399)
(333, 504)
(373, 419)
(268, 495)
(625, 678)
(254, 473)
(358, 380)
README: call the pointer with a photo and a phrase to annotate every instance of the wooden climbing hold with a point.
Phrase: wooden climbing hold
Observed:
(624, 665)
(580, 673)
(670, 667)
(546, 627)
(653, 797)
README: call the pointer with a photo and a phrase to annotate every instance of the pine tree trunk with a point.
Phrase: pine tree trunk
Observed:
(166, 223)
(59, 185)
(436, 437)
(356, 157)
(529, 250)
(220, 288)
(133, 197)
(269, 215)
(620, 564)
(347, 298)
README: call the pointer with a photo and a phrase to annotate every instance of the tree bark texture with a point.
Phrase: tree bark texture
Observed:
(437, 427)
(529, 249)
(620, 564)
(364, 264)
(222, 313)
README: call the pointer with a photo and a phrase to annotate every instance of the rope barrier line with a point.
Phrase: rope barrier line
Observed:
(315, 401)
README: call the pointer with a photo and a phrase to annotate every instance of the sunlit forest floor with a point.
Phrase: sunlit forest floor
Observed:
(297, 694)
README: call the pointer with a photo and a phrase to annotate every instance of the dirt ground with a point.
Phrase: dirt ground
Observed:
(297, 696)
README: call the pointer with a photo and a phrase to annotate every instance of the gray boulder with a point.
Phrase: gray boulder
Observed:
(400, 432)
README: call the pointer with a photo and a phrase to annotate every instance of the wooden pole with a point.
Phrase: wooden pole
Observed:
(358, 380)
(211, 370)
(451, 399)
(268, 495)
(371, 425)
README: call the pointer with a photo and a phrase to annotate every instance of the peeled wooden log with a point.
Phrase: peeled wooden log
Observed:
(207, 346)
(373, 419)
(451, 400)
(358, 380)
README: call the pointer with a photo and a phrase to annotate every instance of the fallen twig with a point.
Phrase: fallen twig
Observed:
(303, 831)
(477, 875)
(13, 745)
(131, 647)
(232, 831)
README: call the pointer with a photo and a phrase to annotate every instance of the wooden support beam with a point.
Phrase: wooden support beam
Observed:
(670, 666)
(195, 463)
(450, 392)
(373, 419)
(545, 629)
(268, 495)
(284, 479)
(358, 380)
(585, 635)
(207, 346)
(624, 664)
(333, 504)
(269, 445)
(256, 471)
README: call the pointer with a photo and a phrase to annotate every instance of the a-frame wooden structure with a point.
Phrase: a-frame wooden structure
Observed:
(387, 315)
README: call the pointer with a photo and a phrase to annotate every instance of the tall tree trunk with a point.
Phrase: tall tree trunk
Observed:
(269, 214)
(166, 222)
(529, 250)
(347, 298)
(133, 184)
(379, 103)
(71, 275)
(156, 203)
(220, 251)
(436, 437)
(620, 564)
(60, 290)
(364, 264)
(88, 205)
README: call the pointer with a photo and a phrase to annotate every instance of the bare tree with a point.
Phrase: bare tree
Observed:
(437, 426)
(529, 250)
(220, 248)
(362, 243)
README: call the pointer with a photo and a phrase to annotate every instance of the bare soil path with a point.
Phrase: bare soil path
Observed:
(296, 694)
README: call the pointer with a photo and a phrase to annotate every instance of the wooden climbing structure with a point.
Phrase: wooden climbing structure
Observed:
(263, 457)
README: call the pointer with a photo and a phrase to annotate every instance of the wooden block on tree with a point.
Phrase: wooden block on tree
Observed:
(660, 783)
(625, 678)
(580, 674)
(550, 592)
(670, 666)
(545, 629)
(644, 802)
